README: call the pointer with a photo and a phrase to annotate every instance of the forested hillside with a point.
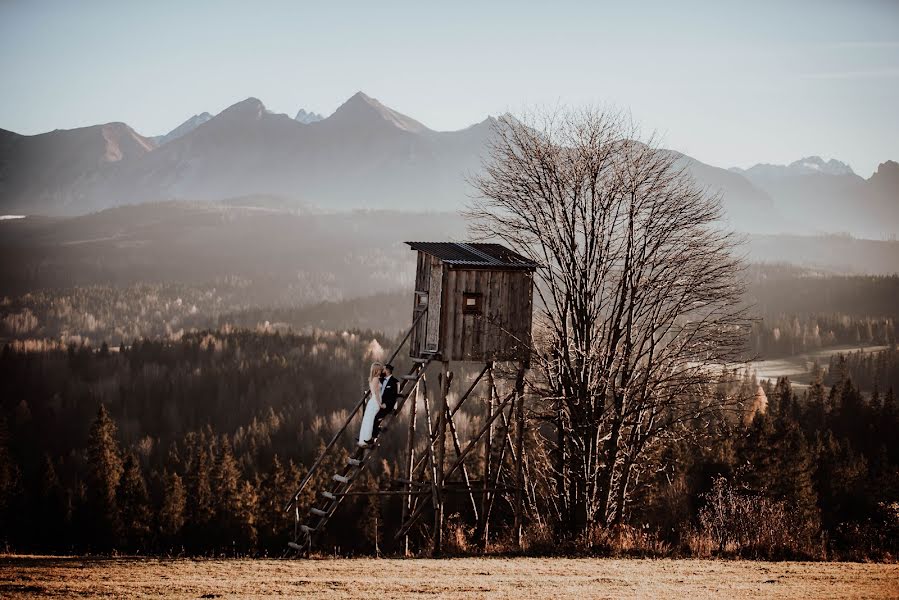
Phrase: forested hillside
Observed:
(194, 445)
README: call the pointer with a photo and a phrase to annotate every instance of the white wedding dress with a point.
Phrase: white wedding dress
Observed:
(371, 410)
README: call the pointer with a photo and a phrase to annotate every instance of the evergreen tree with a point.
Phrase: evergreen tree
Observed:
(275, 491)
(840, 481)
(201, 507)
(371, 522)
(229, 506)
(782, 463)
(104, 472)
(134, 504)
(889, 426)
(173, 509)
(53, 506)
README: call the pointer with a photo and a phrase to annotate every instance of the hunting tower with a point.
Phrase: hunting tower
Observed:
(478, 299)
(473, 303)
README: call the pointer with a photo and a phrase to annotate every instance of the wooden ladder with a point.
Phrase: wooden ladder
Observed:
(318, 516)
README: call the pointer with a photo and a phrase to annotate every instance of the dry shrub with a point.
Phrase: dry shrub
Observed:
(624, 540)
(539, 539)
(736, 522)
(458, 536)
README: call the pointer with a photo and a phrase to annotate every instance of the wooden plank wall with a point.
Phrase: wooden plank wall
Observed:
(433, 341)
(503, 329)
(422, 284)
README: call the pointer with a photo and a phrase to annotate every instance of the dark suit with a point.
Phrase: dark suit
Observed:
(388, 398)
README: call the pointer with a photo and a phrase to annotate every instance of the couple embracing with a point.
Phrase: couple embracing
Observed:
(384, 390)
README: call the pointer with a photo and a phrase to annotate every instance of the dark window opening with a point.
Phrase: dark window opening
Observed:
(472, 303)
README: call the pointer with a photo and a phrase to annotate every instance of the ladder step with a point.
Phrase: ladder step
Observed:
(354, 462)
(341, 479)
(329, 496)
(307, 529)
(318, 512)
(421, 361)
(409, 377)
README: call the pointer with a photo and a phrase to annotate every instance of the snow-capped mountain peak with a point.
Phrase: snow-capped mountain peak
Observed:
(307, 117)
(810, 165)
(816, 164)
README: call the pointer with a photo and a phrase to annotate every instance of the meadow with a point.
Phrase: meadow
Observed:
(520, 578)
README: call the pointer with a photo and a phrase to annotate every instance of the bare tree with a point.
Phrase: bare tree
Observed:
(638, 292)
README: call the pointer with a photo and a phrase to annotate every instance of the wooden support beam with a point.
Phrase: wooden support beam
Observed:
(446, 490)
(440, 456)
(458, 448)
(483, 522)
(421, 390)
(519, 451)
(472, 444)
(421, 460)
(504, 442)
(432, 461)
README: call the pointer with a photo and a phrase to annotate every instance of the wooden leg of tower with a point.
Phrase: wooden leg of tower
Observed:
(431, 456)
(421, 390)
(440, 441)
(519, 455)
(483, 522)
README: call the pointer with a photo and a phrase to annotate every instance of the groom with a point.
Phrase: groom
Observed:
(389, 393)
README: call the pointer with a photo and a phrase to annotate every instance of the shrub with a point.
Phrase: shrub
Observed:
(735, 521)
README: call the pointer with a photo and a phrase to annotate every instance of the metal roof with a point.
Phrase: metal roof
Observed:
(471, 254)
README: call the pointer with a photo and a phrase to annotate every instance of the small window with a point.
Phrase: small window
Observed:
(472, 303)
(421, 299)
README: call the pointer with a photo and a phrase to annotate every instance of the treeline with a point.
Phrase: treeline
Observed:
(194, 446)
(874, 371)
(815, 474)
(799, 311)
(785, 289)
(96, 314)
(789, 335)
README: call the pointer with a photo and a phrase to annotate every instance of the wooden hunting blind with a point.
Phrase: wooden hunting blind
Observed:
(473, 303)
(479, 302)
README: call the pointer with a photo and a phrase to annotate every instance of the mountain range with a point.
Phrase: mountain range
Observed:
(367, 155)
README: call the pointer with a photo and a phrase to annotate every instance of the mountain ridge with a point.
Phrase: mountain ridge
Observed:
(368, 155)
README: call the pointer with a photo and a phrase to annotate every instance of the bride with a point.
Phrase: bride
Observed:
(373, 405)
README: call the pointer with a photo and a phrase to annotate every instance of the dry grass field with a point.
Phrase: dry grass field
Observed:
(557, 578)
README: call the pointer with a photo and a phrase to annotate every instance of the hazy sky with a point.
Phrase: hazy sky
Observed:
(730, 83)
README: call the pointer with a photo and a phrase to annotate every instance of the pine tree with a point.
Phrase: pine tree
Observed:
(104, 472)
(840, 480)
(173, 509)
(782, 463)
(371, 522)
(228, 487)
(53, 507)
(134, 504)
(889, 425)
(246, 509)
(274, 493)
(201, 508)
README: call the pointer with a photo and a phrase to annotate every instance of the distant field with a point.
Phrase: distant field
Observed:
(30, 576)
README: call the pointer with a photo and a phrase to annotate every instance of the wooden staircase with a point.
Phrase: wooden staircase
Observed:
(306, 526)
